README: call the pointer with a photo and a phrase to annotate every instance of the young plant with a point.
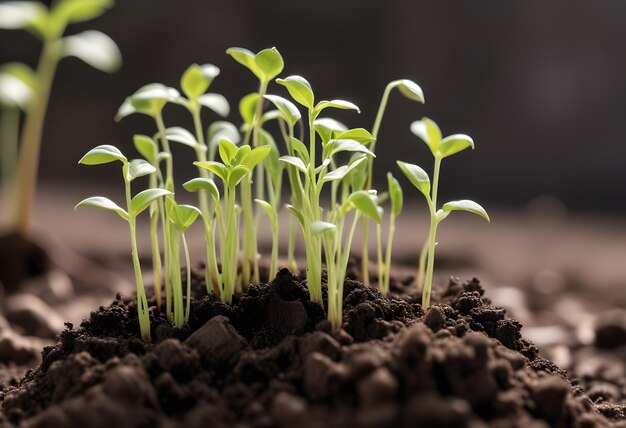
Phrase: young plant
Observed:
(93, 47)
(412, 91)
(17, 92)
(237, 163)
(182, 217)
(384, 264)
(134, 206)
(440, 148)
(265, 65)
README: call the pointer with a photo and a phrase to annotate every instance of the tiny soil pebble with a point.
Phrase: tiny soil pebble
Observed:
(271, 360)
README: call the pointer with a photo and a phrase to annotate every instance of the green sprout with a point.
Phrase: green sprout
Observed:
(134, 206)
(412, 91)
(265, 65)
(17, 93)
(384, 262)
(440, 148)
(237, 163)
(93, 47)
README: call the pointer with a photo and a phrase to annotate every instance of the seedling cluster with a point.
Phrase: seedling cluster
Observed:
(329, 169)
(24, 90)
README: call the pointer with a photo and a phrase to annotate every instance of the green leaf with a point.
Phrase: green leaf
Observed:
(297, 214)
(300, 148)
(335, 146)
(206, 184)
(142, 200)
(216, 102)
(361, 135)
(95, 48)
(256, 156)
(68, 11)
(242, 152)
(180, 135)
(102, 203)
(247, 107)
(299, 89)
(326, 126)
(18, 85)
(244, 57)
(409, 89)
(365, 202)
(429, 132)
(182, 216)
(454, 144)
(271, 115)
(289, 111)
(466, 205)
(270, 62)
(101, 155)
(358, 176)
(271, 213)
(197, 79)
(297, 162)
(139, 168)
(148, 99)
(146, 147)
(319, 227)
(417, 176)
(15, 15)
(236, 174)
(340, 104)
(215, 167)
(342, 171)
(395, 194)
(220, 130)
(227, 150)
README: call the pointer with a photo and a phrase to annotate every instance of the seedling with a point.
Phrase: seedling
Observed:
(93, 47)
(134, 206)
(412, 91)
(384, 264)
(237, 163)
(265, 65)
(440, 148)
(17, 93)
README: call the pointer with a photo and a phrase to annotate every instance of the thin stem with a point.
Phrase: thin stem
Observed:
(169, 161)
(187, 261)
(379, 256)
(9, 128)
(157, 265)
(30, 147)
(291, 247)
(392, 231)
(432, 235)
(365, 267)
(421, 268)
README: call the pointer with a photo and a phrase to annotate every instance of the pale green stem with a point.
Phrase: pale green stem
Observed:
(379, 255)
(9, 127)
(30, 147)
(421, 268)
(291, 247)
(392, 231)
(229, 248)
(188, 262)
(157, 265)
(142, 302)
(432, 236)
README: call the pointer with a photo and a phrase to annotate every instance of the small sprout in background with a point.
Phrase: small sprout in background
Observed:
(440, 148)
(384, 264)
(265, 65)
(412, 91)
(134, 206)
(182, 217)
(18, 91)
(237, 163)
(92, 47)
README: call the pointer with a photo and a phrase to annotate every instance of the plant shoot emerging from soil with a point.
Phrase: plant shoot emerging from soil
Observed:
(440, 148)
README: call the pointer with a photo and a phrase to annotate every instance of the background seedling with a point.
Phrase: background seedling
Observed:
(49, 25)
(384, 264)
(134, 206)
(440, 148)
(412, 91)
(265, 65)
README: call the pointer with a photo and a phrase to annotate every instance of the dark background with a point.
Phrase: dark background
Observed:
(540, 85)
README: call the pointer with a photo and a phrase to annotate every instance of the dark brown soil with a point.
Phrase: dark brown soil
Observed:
(271, 360)
(20, 258)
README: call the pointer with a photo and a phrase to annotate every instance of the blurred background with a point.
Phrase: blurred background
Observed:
(540, 86)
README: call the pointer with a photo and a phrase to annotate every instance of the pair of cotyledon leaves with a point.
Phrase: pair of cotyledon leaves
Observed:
(441, 148)
(93, 47)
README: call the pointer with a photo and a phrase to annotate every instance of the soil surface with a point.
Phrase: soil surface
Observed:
(270, 359)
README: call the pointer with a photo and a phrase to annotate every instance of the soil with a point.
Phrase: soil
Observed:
(271, 359)
(20, 258)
